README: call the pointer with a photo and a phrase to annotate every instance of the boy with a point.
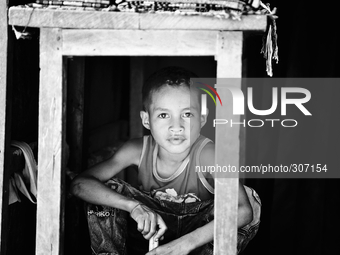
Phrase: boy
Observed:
(174, 204)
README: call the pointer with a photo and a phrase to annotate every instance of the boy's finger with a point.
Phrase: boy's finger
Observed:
(146, 228)
(140, 225)
(152, 229)
(162, 227)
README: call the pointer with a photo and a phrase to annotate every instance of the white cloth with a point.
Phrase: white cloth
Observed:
(29, 175)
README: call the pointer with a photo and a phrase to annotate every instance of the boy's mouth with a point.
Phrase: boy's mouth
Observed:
(176, 139)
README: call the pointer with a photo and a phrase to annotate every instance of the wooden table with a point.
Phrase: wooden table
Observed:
(90, 33)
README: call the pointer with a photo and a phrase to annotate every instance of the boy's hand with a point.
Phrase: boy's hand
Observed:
(180, 246)
(147, 222)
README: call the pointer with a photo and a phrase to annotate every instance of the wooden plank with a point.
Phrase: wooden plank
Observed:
(4, 125)
(179, 22)
(229, 65)
(3, 104)
(72, 19)
(136, 105)
(50, 205)
(139, 43)
(129, 20)
(75, 111)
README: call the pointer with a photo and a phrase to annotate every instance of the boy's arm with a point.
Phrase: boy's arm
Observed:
(90, 187)
(245, 211)
(188, 242)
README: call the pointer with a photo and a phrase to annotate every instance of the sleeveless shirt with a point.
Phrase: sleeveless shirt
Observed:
(185, 180)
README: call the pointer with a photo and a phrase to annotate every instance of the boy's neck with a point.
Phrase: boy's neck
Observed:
(171, 158)
(168, 163)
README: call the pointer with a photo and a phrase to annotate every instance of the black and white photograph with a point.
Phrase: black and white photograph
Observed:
(169, 127)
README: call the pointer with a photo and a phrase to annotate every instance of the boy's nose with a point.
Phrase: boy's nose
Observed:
(176, 127)
(175, 130)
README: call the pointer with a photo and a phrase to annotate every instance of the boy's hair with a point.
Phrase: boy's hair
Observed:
(172, 76)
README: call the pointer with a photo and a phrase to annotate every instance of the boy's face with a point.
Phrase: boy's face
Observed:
(174, 118)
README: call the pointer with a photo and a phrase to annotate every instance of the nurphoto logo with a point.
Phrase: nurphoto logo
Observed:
(301, 97)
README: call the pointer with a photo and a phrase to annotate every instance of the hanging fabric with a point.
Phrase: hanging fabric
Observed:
(29, 175)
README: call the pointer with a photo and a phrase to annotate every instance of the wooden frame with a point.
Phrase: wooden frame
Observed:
(227, 146)
(74, 33)
(4, 123)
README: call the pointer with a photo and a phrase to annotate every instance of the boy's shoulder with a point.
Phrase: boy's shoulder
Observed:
(132, 149)
(207, 155)
(207, 159)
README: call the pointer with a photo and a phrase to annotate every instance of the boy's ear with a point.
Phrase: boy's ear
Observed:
(145, 119)
(204, 118)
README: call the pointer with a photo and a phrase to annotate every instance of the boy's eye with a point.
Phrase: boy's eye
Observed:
(163, 115)
(188, 115)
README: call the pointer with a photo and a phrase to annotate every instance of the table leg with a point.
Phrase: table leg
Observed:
(50, 197)
(229, 65)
